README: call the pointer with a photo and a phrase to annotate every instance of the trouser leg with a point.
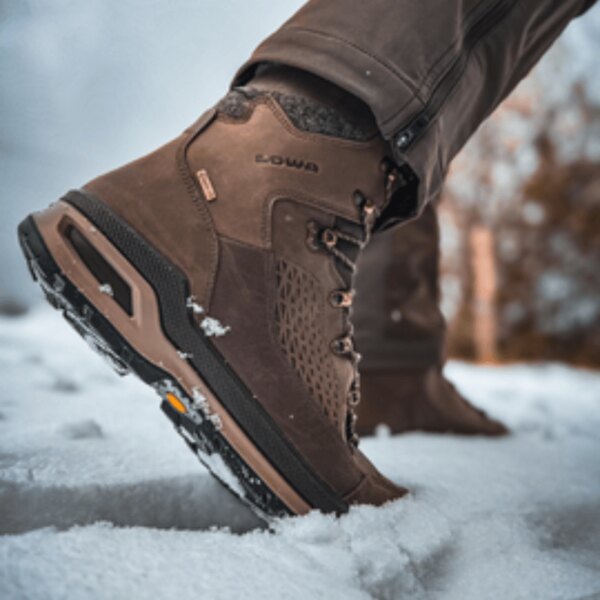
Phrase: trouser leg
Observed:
(430, 71)
(400, 332)
(397, 313)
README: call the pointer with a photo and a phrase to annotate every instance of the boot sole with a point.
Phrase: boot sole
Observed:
(130, 304)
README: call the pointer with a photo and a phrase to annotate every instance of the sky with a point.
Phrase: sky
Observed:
(88, 86)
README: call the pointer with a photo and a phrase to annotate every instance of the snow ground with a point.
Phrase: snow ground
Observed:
(99, 499)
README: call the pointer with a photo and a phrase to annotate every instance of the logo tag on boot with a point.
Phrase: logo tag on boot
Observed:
(206, 184)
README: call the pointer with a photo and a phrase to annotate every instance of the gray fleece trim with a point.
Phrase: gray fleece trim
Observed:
(237, 104)
(305, 114)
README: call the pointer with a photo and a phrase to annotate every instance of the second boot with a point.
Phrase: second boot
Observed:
(400, 332)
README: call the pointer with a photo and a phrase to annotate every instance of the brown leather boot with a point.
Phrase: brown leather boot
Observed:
(400, 332)
(219, 270)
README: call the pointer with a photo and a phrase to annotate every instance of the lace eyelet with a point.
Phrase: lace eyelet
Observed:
(342, 346)
(329, 238)
(341, 299)
(354, 399)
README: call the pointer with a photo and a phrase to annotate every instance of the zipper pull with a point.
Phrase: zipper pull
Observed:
(407, 135)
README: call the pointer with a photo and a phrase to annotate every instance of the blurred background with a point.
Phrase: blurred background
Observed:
(87, 86)
(520, 220)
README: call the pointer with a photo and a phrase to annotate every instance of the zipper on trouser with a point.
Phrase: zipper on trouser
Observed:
(418, 124)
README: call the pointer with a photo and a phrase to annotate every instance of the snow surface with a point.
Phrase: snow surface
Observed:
(99, 498)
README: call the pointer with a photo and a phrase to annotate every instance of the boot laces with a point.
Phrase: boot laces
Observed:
(328, 239)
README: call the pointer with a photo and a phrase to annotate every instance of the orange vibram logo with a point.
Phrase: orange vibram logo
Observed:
(176, 403)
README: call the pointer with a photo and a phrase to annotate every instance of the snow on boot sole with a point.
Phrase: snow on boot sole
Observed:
(131, 304)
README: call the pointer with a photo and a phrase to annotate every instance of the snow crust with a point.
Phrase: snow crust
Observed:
(100, 499)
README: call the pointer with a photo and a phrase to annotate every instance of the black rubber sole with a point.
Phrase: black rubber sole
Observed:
(196, 427)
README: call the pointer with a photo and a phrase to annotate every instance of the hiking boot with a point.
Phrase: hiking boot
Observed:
(219, 270)
(400, 332)
(419, 399)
